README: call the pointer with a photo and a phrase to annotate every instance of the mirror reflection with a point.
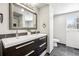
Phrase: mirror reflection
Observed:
(22, 18)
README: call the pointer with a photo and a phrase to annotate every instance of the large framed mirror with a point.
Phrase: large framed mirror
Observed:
(21, 18)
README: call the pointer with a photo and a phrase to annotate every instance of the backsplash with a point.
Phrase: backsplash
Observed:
(11, 35)
(2, 36)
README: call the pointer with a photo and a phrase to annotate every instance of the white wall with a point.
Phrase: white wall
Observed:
(60, 8)
(43, 17)
(46, 16)
(60, 28)
(50, 28)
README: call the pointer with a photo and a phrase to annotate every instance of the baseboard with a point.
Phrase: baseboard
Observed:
(61, 43)
(72, 47)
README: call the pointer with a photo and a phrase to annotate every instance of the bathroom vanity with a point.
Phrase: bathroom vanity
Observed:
(29, 45)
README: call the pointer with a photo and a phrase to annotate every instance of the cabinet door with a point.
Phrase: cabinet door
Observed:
(42, 40)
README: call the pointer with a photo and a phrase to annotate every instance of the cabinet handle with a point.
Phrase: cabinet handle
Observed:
(42, 44)
(42, 38)
(24, 45)
(30, 53)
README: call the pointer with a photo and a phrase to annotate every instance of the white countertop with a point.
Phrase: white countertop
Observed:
(8, 42)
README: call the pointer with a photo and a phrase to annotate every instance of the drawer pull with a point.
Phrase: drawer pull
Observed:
(42, 44)
(30, 53)
(42, 38)
(24, 45)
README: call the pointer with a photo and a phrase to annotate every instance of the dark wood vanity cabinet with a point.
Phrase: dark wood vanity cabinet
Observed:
(31, 48)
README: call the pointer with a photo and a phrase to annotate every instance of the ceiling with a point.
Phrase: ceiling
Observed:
(39, 5)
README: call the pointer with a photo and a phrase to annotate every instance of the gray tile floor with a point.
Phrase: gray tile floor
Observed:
(63, 50)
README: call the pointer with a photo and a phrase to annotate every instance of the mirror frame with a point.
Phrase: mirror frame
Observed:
(11, 18)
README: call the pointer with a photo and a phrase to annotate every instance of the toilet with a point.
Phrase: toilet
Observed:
(55, 42)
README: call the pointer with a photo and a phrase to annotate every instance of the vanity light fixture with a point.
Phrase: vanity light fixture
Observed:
(25, 7)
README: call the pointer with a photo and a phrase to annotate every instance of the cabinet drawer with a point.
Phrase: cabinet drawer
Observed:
(41, 48)
(33, 54)
(42, 40)
(25, 49)
(20, 50)
(10, 52)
